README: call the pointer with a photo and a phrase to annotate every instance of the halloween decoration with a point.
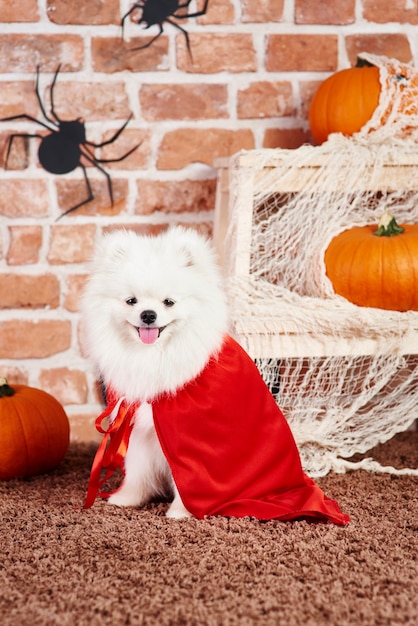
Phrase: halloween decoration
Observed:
(345, 101)
(65, 147)
(376, 266)
(156, 12)
(347, 382)
(34, 431)
(378, 96)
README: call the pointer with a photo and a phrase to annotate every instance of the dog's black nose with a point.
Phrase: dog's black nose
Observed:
(148, 316)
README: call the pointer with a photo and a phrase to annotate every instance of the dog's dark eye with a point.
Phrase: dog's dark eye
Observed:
(131, 301)
(168, 302)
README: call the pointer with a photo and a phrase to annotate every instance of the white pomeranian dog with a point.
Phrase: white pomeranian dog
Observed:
(153, 313)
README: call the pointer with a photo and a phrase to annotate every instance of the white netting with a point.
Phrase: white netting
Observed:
(345, 376)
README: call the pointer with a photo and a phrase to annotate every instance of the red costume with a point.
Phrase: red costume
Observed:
(228, 445)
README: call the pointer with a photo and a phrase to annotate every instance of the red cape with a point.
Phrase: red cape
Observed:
(230, 449)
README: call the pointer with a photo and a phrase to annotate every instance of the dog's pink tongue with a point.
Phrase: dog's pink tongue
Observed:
(148, 335)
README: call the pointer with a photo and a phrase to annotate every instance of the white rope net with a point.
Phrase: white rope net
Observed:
(345, 376)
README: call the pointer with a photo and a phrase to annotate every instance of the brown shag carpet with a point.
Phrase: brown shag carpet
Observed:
(61, 565)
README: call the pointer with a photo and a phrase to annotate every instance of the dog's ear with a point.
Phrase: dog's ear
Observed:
(193, 248)
(188, 256)
(112, 247)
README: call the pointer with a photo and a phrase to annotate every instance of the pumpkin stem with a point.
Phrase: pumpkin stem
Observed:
(387, 226)
(5, 389)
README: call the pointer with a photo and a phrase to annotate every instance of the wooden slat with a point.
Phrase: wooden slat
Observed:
(280, 341)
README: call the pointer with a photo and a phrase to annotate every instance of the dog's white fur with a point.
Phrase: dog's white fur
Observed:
(175, 276)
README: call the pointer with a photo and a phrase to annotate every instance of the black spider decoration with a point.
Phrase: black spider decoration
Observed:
(64, 148)
(156, 12)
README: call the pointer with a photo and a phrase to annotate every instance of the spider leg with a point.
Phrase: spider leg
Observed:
(51, 94)
(41, 104)
(152, 40)
(11, 138)
(109, 182)
(27, 117)
(87, 200)
(10, 141)
(137, 5)
(196, 14)
(93, 159)
(116, 160)
(113, 138)
(96, 162)
(186, 35)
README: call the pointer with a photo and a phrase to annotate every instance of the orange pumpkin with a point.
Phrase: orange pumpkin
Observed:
(34, 431)
(378, 93)
(345, 101)
(376, 268)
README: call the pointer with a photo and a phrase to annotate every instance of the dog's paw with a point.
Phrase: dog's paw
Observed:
(177, 511)
(126, 497)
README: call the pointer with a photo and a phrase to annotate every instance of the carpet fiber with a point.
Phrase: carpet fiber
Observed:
(61, 565)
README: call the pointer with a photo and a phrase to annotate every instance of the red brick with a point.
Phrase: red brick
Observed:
(112, 54)
(82, 428)
(91, 12)
(22, 339)
(70, 192)
(175, 197)
(74, 287)
(217, 12)
(23, 291)
(302, 53)
(306, 92)
(382, 12)
(71, 244)
(14, 375)
(217, 52)
(18, 97)
(92, 101)
(188, 145)
(22, 53)
(183, 102)
(325, 12)
(205, 228)
(67, 386)
(129, 138)
(392, 45)
(22, 11)
(262, 10)
(25, 244)
(140, 229)
(23, 198)
(265, 99)
(287, 138)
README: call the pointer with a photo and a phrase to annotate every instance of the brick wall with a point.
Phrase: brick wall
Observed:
(256, 64)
